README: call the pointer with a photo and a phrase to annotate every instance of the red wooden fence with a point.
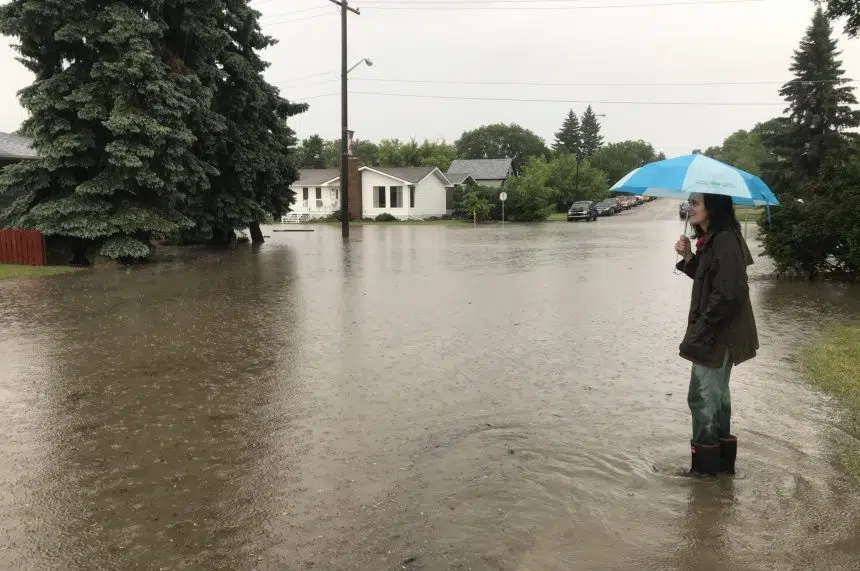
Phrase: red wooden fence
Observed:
(22, 247)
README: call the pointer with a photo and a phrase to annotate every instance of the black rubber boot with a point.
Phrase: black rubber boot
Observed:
(706, 459)
(728, 454)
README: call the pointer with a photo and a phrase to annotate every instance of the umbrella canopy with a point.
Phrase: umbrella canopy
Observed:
(682, 176)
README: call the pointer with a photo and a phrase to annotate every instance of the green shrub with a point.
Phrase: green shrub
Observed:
(474, 203)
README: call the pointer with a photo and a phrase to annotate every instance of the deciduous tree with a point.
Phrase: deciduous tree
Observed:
(500, 141)
(618, 159)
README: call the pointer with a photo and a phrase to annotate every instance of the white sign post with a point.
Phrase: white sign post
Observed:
(503, 197)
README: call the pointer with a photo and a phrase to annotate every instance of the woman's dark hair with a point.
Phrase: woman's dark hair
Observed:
(721, 215)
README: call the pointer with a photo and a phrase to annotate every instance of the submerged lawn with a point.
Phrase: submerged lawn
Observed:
(15, 271)
(833, 365)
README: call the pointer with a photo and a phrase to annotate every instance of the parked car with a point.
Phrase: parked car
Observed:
(638, 200)
(607, 207)
(583, 210)
(684, 210)
(626, 202)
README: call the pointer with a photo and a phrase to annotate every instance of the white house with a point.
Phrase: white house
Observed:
(317, 192)
(406, 193)
(486, 172)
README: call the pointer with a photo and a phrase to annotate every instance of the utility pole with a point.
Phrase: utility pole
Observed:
(344, 123)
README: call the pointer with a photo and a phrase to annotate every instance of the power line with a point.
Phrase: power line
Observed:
(302, 11)
(564, 84)
(292, 20)
(471, 5)
(438, 2)
(458, 5)
(590, 84)
(596, 102)
(582, 102)
(308, 77)
(312, 97)
(285, 83)
(477, 2)
(570, 84)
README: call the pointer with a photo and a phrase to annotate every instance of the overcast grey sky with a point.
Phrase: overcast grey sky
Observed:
(595, 42)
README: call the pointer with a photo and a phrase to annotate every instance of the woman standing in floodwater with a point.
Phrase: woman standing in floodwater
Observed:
(721, 329)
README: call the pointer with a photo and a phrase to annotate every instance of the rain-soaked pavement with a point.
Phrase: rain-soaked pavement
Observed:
(431, 397)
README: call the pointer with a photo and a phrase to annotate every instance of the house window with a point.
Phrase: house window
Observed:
(336, 193)
(304, 194)
(396, 196)
(319, 193)
(379, 197)
(411, 196)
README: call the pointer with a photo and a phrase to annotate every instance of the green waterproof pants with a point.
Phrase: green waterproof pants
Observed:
(710, 402)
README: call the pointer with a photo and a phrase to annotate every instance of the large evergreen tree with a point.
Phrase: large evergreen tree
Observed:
(568, 139)
(810, 148)
(592, 140)
(820, 100)
(109, 114)
(151, 117)
(254, 150)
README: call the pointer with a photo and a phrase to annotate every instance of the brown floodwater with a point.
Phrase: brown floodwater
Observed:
(427, 397)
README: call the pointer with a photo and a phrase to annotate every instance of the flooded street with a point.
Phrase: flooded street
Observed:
(430, 397)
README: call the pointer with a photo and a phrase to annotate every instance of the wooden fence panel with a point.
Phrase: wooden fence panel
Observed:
(25, 247)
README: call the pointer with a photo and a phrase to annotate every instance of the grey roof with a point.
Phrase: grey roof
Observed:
(16, 147)
(412, 175)
(482, 169)
(459, 178)
(316, 177)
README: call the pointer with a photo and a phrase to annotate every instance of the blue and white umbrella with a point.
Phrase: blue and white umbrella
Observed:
(682, 176)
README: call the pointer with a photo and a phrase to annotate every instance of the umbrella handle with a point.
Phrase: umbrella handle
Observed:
(678, 256)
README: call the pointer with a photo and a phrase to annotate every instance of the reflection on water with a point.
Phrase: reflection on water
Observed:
(705, 543)
(427, 397)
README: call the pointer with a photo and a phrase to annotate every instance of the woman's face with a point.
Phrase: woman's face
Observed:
(698, 214)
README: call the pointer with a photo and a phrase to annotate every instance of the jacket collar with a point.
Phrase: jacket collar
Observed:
(704, 242)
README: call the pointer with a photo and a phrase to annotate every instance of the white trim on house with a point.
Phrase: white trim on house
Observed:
(381, 170)
(383, 173)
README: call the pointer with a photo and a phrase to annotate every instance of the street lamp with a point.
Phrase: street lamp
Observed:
(361, 61)
(578, 161)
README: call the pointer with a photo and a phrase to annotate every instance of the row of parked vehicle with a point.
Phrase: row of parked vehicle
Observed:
(590, 211)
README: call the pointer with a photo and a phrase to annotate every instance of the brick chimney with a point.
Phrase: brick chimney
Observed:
(355, 190)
